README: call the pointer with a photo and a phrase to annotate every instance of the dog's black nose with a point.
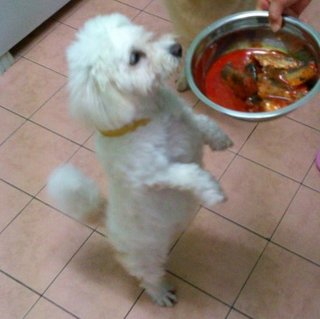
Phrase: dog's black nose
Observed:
(176, 50)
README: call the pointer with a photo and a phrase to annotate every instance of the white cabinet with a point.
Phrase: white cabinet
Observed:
(18, 18)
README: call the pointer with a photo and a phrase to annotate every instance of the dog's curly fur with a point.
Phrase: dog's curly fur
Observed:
(155, 179)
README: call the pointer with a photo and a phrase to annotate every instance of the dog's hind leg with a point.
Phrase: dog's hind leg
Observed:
(148, 267)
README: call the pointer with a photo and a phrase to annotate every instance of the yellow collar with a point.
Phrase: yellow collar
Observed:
(131, 127)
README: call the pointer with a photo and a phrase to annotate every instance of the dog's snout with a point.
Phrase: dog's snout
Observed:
(176, 50)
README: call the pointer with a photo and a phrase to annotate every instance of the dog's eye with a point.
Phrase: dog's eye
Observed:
(135, 57)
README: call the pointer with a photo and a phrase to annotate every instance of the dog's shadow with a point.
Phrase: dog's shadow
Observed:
(221, 275)
(221, 264)
(96, 262)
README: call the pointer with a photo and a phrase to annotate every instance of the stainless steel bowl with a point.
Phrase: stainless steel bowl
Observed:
(247, 30)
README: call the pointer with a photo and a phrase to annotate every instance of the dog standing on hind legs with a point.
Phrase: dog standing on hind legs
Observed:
(148, 141)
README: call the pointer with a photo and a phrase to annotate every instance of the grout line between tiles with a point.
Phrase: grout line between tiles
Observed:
(237, 224)
(304, 124)
(131, 6)
(18, 214)
(67, 263)
(242, 313)
(134, 303)
(150, 14)
(248, 137)
(249, 275)
(64, 214)
(197, 288)
(56, 133)
(228, 166)
(31, 307)
(13, 132)
(20, 282)
(62, 308)
(50, 301)
(44, 66)
(268, 168)
(285, 212)
(295, 253)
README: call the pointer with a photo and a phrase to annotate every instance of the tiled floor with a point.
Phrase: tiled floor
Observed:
(255, 256)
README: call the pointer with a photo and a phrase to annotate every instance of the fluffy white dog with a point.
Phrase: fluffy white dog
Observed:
(148, 140)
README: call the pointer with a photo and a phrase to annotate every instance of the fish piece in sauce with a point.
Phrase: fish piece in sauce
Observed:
(270, 80)
(276, 59)
(303, 74)
(243, 84)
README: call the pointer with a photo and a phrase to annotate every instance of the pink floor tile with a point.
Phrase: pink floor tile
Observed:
(15, 299)
(308, 114)
(28, 157)
(311, 15)
(236, 315)
(44, 309)
(284, 146)
(282, 286)
(239, 131)
(38, 244)
(269, 177)
(192, 304)
(26, 86)
(51, 51)
(257, 197)
(139, 4)
(215, 255)
(90, 143)
(216, 162)
(12, 201)
(55, 116)
(92, 8)
(299, 229)
(93, 285)
(9, 122)
(154, 24)
(313, 178)
(156, 8)
(70, 8)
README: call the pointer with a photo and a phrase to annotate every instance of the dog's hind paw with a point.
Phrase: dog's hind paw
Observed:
(164, 296)
(166, 299)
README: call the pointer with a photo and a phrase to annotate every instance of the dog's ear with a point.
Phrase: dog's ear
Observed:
(96, 101)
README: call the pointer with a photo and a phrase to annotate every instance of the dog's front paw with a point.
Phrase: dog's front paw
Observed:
(164, 296)
(213, 196)
(221, 142)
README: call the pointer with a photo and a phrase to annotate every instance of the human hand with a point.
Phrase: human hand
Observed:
(278, 7)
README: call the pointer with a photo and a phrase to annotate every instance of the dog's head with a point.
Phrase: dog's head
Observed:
(111, 61)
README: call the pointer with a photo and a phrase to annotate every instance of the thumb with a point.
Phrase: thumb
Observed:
(276, 8)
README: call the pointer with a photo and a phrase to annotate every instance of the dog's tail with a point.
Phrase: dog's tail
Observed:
(76, 194)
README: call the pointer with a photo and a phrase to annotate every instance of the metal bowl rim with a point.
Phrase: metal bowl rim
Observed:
(258, 116)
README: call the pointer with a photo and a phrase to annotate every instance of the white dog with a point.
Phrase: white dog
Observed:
(148, 140)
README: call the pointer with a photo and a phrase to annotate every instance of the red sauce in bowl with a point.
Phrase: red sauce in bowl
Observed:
(216, 88)
(228, 84)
